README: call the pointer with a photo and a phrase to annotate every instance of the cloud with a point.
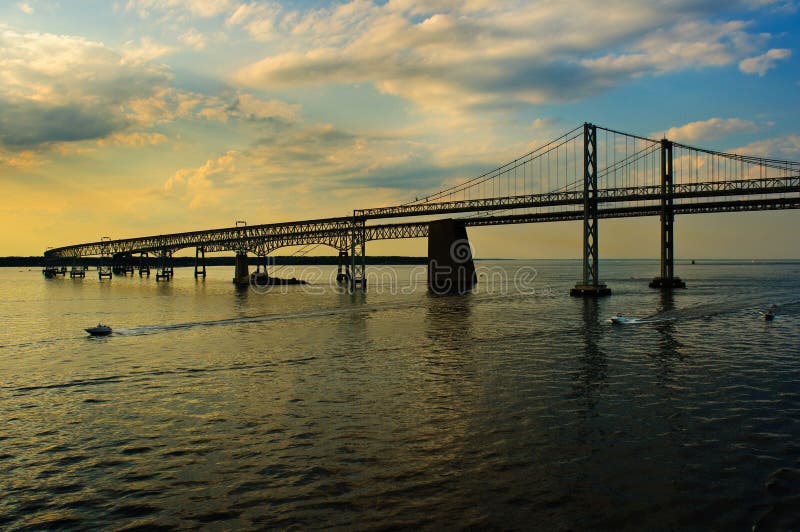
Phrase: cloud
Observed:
(194, 39)
(199, 184)
(710, 129)
(785, 148)
(25, 7)
(29, 124)
(56, 88)
(180, 8)
(300, 168)
(258, 19)
(19, 160)
(145, 50)
(766, 61)
(455, 56)
(135, 139)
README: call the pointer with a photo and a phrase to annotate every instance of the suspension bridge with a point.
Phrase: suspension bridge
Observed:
(589, 173)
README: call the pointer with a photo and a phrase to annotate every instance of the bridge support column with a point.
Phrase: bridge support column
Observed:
(261, 276)
(77, 270)
(104, 267)
(667, 279)
(343, 268)
(591, 285)
(358, 256)
(200, 262)
(241, 276)
(144, 265)
(450, 266)
(165, 270)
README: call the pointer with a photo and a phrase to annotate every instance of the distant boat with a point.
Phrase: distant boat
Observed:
(99, 330)
(619, 319)
(770, 314)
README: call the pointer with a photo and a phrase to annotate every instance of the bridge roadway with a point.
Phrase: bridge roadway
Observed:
(339, 233)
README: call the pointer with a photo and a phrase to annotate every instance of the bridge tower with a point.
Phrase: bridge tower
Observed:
(591, 285)
(667, 279)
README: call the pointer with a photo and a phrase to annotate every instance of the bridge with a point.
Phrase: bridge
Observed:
(589, 173)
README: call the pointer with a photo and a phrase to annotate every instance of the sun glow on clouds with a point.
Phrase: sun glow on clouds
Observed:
(711, 129)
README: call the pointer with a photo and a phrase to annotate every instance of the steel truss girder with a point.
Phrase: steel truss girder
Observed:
(645, 210)
(604, 195)
(335, 232)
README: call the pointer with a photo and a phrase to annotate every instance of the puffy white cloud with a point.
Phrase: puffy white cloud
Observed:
(25, 7)
(786, 148)
(198, 184)
(710, 129)
(766, 61)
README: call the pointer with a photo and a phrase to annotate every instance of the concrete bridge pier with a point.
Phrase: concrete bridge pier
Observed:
(358, 255)
(241, 276)
(165, 270)
(200, 262)
(591, 285)
(261, 276)
(343, 268)
(144, 265)
(104, 267)
(450, 266)
(77, 270)
(667, 280)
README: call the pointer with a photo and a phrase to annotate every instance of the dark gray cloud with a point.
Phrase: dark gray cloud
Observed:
(59, 88)
(28, 124)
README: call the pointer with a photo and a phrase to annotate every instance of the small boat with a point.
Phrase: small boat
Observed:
(768, 315)
(99, 330)
(619, 319)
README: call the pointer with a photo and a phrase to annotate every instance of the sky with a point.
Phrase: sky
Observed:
(136, 117)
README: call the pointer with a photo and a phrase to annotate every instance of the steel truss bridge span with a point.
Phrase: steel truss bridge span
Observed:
(337, 232)
(587, 174)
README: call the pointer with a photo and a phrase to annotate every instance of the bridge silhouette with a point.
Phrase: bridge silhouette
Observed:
(588, 173)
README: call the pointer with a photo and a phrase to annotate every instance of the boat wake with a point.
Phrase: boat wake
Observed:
(707, 311)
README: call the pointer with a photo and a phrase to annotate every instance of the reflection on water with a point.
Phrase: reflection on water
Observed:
(219, 408)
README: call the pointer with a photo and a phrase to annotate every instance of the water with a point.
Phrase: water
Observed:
(515, 407)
